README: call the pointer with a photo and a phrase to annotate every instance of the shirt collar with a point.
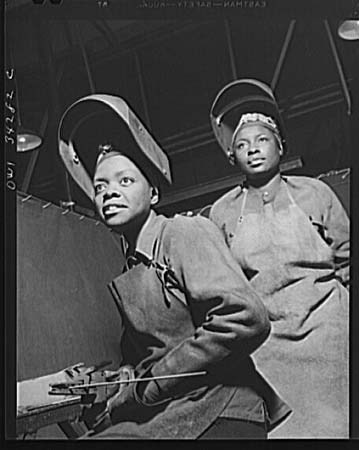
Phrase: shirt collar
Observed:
(270, 191)
(147, 236)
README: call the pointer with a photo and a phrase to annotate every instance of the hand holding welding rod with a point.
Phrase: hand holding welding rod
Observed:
(137, 380)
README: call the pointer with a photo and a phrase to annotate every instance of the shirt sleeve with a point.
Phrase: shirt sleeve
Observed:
(337, 226)
(235, 322)
(223, 208)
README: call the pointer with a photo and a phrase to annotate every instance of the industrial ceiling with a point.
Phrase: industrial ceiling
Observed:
(170, 69)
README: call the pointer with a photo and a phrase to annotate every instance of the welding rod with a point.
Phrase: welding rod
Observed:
(135, 380)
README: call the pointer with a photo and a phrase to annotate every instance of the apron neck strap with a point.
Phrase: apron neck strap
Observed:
(156, 244)
(288, 192)
(245, 190)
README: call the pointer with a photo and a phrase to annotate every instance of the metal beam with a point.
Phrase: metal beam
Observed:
(85, 59)
(230, 49)
(217, 185)
(299, 106)
(142, 89)
(315, 108)
(339, 67)
(283, 54)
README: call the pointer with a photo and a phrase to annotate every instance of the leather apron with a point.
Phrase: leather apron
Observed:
(155, 321)
(306, 356)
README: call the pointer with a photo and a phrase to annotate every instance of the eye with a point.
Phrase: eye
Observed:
(99, 188)
(263, 139)
(240, 146)
(126, 181)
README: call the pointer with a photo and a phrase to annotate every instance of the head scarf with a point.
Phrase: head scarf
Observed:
(266, 121)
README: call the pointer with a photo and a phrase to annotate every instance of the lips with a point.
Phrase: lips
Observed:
(113, 208)
(256, 161)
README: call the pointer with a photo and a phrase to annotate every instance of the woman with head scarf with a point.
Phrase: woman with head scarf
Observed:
(290, 234)
(185, 303)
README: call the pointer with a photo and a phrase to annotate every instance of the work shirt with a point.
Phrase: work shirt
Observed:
(292, 241)
(190, 308)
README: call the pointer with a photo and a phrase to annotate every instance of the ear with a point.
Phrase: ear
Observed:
(155, 196)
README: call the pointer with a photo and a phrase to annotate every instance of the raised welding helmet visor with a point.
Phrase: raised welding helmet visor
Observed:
(237, 98)
(106, 119)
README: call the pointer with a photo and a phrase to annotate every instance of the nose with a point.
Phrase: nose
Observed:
(112, 191)
(253, 148)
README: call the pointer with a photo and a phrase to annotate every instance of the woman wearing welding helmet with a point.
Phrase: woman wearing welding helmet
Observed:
(290, 234)
(185, 303)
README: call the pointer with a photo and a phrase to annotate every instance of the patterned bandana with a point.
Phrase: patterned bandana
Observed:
(266, 121)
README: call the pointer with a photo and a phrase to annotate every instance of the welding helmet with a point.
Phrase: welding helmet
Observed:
(239, 98)
(100, 119)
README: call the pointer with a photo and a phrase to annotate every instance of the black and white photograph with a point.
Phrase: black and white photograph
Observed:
(179, 212)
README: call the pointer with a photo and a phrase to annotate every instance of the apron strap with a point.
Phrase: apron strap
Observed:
(156, 244)
(293, 202)
(165, 272)
(243, 204)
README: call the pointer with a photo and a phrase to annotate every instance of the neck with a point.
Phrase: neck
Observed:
(131, 233)
(265, 180)
(131, 239)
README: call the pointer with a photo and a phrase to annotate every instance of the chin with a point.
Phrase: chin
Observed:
(254, 172)
(115, 222)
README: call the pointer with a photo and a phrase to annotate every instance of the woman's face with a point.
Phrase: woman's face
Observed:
(123, 195)
(256, 150)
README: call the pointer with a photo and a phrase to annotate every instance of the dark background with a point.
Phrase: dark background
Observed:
(169, 68)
